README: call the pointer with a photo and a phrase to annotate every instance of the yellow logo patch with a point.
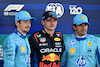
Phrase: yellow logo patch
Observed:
(23, 49)
(72, 50)
(27, 14)
(57, 39)
(82, 17)
(89, 43)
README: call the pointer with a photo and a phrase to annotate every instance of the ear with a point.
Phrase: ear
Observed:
(42, 22)
(74, 27)
(17, 23)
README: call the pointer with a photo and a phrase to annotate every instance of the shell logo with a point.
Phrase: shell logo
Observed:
(72, 50)
(23, 49)
(57, 39)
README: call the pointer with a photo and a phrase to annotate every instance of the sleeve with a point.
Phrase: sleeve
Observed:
(63, 57)
(8, 53)
(98, 52)
(32, 43)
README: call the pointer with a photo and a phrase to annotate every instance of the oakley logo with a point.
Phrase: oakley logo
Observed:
(16, 7)
(75, 10)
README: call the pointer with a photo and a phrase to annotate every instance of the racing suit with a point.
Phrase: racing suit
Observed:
(46, 49)
(81, 52)
(16, 50)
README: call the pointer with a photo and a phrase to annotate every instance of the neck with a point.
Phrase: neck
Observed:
(24, 33)
(81, 36)
(49, 32)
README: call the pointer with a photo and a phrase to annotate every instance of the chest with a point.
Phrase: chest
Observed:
(81, 47)
(22, 47)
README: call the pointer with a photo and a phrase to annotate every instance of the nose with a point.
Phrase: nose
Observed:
(83, 26)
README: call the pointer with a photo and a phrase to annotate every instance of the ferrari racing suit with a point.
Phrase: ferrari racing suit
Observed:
(81, 52)
(16, 50)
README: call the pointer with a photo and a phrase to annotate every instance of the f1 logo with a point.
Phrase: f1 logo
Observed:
(75, 10)
(16, 7)
(9, 8)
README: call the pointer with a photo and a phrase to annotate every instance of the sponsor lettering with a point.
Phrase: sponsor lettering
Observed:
(50, 50)
(75, 10)
(9, 55)
(52, 64)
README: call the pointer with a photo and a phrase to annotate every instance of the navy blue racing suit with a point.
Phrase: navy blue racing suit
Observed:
(46, 49)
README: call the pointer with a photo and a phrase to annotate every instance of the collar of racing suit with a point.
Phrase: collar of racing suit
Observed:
(18, 33)
(49, 35)
(81, 38)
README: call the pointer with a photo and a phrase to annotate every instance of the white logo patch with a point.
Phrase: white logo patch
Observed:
(75, 10)
(20, 41)
(56, 7)
(81, 61)
(16, 7)
(72, 43)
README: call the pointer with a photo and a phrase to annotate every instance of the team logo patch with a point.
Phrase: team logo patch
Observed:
(42, 39)
(27, 14)
(89, 43)
(72, 50)
(23, 49)
(43, 44)
(57, 39)
(58, 44)
(20, 41)
(56, 7)
(51, 57)
(82, 17)
(72, 43)
(81, 61)
(27, 59)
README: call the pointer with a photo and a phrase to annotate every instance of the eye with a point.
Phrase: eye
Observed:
(86, 24)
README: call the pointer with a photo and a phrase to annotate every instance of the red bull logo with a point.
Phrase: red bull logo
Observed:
(52, 64)
(51, 57)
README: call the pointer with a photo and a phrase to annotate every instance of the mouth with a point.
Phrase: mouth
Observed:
(27, 27)
(52, 26)
(83, 31)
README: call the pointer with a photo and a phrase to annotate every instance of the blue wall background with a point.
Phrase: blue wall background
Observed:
(37, 7)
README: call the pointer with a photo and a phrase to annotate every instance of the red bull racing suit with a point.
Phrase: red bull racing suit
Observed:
(46, 49)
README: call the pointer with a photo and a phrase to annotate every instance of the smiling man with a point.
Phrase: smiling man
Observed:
(16, 48)
(81, 49)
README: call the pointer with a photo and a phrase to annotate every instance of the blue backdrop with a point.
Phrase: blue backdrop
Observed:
(65, 9)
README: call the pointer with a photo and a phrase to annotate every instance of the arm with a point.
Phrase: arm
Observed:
(98, 53)
(63, 57)
(33, 51)
(8, 53)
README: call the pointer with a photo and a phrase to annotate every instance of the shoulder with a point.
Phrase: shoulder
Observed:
(35, 34)
(9, 41)
(12, 36)
(93, 37)
(70, 37)
(58, 32)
